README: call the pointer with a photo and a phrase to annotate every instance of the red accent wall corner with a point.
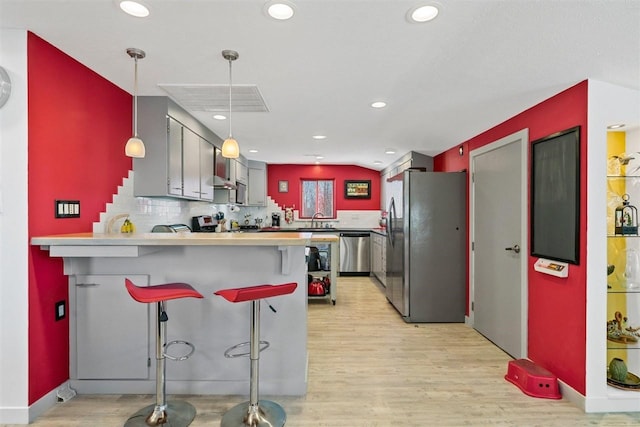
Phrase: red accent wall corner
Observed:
(78, 123)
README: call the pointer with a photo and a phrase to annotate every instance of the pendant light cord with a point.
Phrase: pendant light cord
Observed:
(230, 85)
(135, 98)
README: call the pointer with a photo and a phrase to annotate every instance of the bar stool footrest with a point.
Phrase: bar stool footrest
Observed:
(228, 353)
(177, 414)
(268, 414)
(178, 358)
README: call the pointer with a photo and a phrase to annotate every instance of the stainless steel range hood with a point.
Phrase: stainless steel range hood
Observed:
(219, 182)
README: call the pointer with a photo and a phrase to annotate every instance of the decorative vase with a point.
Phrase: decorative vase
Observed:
(632, 269)
(618, 369)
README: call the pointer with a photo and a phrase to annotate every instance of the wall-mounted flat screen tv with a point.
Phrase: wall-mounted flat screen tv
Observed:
(555, 196)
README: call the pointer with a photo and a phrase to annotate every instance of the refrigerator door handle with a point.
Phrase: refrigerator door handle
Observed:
(392, 215)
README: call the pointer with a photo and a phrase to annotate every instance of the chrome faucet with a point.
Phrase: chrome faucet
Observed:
(313, 218)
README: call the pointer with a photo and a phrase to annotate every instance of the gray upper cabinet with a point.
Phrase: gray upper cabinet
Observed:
(242, 172)
(180, 157)
(257, 186)
(190, 164)
(175, 157)
(207, 162)
(410, 160)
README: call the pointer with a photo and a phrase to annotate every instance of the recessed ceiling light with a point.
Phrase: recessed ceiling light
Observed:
(134, 8)
(319, 157)
(389, 151)
(377, 162)
(319, 137)
(422, 13)
(219, 117)
(253, 150)
(616, 126)
(379, 104)
(280, 10)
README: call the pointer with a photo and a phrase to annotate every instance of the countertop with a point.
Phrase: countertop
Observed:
(335, 230)
(324, 237)
(175, 239)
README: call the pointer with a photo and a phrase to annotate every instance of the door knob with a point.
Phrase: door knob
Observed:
(515, 248)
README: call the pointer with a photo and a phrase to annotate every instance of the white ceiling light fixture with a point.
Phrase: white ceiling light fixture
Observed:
(279, 9)
(253, 150)
(230, 148)
(424, 13)
(378, 104)
(219, 117)
(134, 8)
(135, 146)
(319, 137)
(616, 126)
(389, 151)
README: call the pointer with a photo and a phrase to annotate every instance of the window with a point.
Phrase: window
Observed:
(317, 196)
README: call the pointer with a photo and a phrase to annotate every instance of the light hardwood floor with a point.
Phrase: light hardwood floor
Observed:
(368, 368)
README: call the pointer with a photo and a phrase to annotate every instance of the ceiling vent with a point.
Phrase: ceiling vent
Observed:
(215, 98)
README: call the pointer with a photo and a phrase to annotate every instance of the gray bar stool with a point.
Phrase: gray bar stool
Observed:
(175, 413)
(254, 413)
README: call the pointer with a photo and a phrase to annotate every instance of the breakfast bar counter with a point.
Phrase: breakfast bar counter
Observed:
(112, 336)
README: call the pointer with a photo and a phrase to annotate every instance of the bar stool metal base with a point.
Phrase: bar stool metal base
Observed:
(176, 414)
(265, 414)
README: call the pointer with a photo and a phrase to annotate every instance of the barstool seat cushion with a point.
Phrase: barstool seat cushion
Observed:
(164, 292)
(251, 293)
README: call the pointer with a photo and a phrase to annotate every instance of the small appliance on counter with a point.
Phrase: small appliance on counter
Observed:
(275, 219)
(173, 228)
(204, 223)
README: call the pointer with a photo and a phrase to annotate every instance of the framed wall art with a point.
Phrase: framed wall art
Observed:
(357, 189)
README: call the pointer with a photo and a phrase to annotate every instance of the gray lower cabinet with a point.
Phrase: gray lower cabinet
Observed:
(110, 330)
(378, 257)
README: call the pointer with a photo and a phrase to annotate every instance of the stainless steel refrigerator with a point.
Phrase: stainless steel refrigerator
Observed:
(426, 237)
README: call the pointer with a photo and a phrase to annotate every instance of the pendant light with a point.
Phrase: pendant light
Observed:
(135, 146)
(230, 146)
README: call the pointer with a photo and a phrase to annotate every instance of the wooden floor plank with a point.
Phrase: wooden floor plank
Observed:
(368, 368)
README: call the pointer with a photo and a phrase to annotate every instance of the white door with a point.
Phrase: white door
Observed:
(499, 250)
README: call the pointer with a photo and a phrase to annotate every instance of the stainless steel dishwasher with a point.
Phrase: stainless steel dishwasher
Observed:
(354, 254)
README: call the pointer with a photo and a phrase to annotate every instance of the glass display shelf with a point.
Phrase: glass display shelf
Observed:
(620, 287)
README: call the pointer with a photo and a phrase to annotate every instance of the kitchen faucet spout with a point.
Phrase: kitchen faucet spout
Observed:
(314, 217)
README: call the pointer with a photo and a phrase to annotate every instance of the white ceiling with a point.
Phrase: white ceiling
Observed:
(477, 64)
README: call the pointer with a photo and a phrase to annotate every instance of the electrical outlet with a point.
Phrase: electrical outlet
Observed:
(61, 310)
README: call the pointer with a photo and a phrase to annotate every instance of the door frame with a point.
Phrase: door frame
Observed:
(523, 136)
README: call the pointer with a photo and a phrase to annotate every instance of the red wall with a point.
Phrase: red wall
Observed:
(557, 307)
(295, 173)
(78, 123)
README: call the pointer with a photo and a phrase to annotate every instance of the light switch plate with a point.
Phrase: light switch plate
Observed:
(67, 209)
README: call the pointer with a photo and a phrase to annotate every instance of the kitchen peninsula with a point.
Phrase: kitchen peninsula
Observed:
(112, 336)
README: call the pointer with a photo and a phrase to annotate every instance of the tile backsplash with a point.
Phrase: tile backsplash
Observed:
(145, 212)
